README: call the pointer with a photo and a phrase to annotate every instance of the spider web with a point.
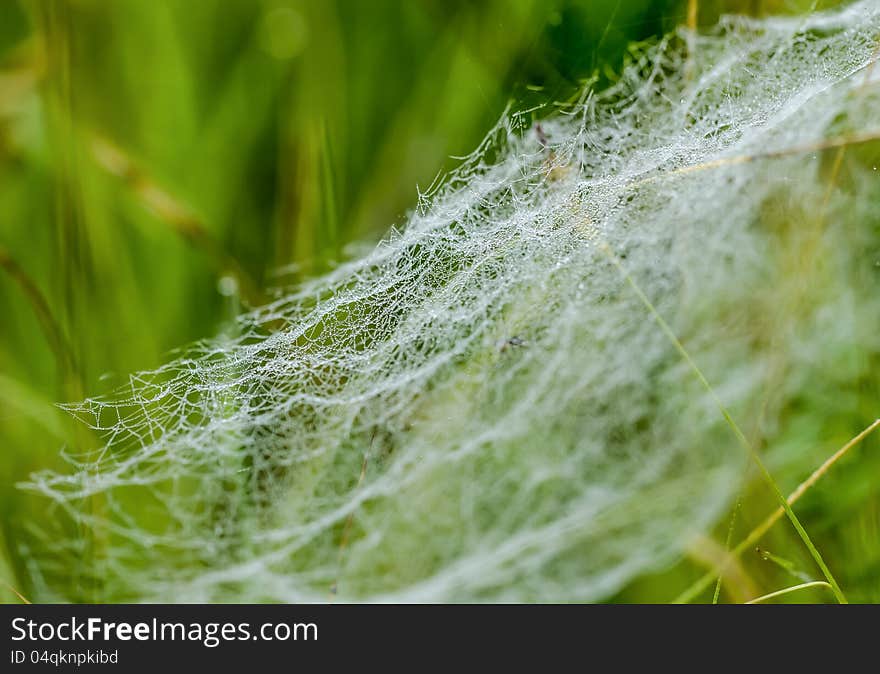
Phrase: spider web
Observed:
(481, 408)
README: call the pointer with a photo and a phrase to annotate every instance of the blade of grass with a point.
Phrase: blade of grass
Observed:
(789, 590)
(18, 594)
(739, 585)
(170, 210)
(23, 400)
(51, 328)
(758, 532)
(786, 565)
(693, 13)
(727, 548)
(743, 440)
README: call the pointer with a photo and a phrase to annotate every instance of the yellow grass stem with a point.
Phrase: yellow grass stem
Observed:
(758, 532)
(743, 440)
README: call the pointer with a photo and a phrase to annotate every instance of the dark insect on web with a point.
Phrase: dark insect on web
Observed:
(543, 140)
(512, 342)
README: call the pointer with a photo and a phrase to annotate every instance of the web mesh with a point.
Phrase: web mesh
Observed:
(482, 408)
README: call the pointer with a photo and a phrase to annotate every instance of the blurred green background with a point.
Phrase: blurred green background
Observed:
(164, 163)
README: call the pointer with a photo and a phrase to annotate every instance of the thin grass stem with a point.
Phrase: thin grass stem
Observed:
(743, 440)
(758, 532)
(18, 594)
(51, 328)
(789, 590)
(727, 542)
